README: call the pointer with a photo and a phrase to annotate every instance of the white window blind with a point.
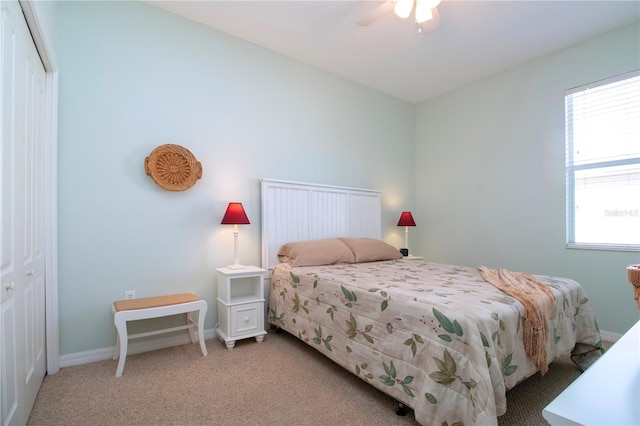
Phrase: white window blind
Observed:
(603, 164)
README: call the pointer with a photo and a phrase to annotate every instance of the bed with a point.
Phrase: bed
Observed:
(437, 338)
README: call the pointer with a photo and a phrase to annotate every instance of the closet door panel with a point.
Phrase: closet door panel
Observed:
(22, 353)
(9, 368)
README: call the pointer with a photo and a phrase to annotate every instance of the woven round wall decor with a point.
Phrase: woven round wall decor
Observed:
(173, 167)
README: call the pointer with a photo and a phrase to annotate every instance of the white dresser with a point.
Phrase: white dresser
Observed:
(607, 393)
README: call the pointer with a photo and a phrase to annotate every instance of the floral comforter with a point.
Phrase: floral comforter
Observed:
(435, 337)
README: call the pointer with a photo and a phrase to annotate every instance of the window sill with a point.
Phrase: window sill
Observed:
(604, 247)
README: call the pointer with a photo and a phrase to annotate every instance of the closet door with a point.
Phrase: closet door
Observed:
(22, 319)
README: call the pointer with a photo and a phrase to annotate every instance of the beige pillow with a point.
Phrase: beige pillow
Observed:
(371, 250)
(327, 251)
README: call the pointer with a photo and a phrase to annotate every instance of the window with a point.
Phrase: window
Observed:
(603, 164)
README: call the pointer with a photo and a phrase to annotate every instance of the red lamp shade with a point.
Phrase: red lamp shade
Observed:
(235, 215)
(406, 219)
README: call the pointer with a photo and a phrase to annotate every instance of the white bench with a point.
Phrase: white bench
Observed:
(155, 307)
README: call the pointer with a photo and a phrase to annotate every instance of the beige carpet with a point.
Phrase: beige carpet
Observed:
(281, 381)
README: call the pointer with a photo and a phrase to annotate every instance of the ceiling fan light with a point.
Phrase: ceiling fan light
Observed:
(403, 8)
(423, 11)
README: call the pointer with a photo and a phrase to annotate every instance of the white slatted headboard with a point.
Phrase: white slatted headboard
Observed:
(297, 211)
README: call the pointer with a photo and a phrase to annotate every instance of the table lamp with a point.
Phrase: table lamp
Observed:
(406, 220)
(235, 216)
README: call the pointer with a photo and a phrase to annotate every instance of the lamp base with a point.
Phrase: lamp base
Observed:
(236, 266)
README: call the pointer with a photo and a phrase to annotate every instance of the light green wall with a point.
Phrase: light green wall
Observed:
(490, 177)
(133, 77)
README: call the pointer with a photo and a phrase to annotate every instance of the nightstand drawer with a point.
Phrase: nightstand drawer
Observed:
(246, 319)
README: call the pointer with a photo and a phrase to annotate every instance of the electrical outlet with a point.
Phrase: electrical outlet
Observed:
(131, 294)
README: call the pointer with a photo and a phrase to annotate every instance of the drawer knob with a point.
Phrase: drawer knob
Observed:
(10, 287)
(246, 319)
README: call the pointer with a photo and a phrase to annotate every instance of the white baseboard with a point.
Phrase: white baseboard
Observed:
(168, 341)
(135, 347)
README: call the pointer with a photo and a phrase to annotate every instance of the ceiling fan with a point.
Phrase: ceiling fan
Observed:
(426, 13)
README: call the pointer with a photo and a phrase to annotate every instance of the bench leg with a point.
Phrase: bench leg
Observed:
(192, 326)
(202, 312)
(116, 350)
(123, 340)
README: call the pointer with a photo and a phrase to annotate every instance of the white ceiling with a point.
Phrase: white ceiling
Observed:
(476, 38)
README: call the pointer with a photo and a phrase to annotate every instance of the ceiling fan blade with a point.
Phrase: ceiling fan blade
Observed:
(432, 24)
(376, 13)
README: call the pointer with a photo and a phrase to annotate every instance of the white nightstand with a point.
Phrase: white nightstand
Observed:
(411, 257)
(240, 304)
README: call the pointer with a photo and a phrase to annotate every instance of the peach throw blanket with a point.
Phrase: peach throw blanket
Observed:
(539, 305)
